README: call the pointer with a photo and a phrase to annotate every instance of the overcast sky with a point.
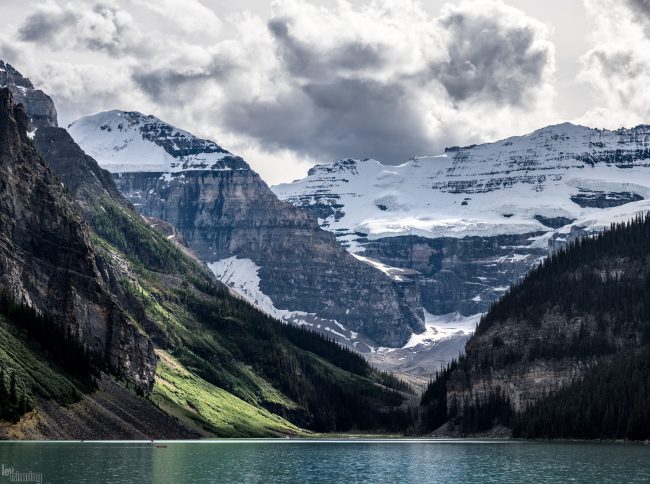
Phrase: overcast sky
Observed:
(291, 83)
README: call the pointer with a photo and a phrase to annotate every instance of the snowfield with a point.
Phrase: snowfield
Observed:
(441, 327)
(241, 276)
(548, 185)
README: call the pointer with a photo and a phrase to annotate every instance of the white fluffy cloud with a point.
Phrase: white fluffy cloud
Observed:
(617, 68)
(100, 26)
(378, 78)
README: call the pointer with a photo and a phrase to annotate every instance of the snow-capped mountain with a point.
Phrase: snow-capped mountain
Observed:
(268, 251)
(469, 222)
(124, 141)
(520, 185)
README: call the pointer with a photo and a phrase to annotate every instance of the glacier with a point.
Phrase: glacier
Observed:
(508, 187)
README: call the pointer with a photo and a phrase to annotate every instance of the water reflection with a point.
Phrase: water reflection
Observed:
(332, 461)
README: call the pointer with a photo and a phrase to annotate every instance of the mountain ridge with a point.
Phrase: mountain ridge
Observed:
(39, 106)
(564, 353)
(44, 235)
(223, 367)
(218, 366)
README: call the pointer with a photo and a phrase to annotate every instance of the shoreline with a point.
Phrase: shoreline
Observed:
(335, 440)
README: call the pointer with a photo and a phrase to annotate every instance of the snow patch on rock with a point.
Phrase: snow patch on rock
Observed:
(440, 327)
(125, 141)
(241, 275)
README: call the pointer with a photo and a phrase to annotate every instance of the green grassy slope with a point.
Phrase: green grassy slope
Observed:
(224, 343)
(34, 373)
(198, 403)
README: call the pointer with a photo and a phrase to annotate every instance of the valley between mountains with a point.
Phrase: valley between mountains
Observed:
(154, 286)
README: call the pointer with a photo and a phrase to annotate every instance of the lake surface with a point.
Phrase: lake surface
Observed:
(324, 461)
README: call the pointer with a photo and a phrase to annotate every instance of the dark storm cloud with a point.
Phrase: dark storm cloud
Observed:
(99, 28)
(373, 81)
(341, 118)
(305, 60)
(640, 6)
(333, 111)
(641, 11)
(165, 85)
(43, 26)
(491, 59)
(348, 101)
(615, 63)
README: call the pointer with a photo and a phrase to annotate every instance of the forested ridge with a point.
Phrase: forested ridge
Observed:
(587, 305)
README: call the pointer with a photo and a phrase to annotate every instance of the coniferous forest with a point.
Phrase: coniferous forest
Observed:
(611, 402)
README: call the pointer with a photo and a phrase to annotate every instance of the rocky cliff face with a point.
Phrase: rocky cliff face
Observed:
(80, 174)
(208, 341)
(525, 380)
(272, 253)
(458, 274)
(38, 105)
(47, 260)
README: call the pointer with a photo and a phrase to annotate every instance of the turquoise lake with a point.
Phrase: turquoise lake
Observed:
(323, 461)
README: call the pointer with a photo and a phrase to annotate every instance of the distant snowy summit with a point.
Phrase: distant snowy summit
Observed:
(550, 178)
(128, 141)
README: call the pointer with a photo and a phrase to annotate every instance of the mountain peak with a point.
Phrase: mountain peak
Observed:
(350, 165)
(563, 171)
(38, 105)
(130, 141)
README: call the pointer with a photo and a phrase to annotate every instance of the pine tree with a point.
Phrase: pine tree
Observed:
(12, 387)
(3, 387)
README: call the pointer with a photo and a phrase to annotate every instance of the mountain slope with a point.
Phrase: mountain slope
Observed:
(53, 404)
(273, 254)
(63, 335)
(224, 368)
(48, 262)
(565, 350)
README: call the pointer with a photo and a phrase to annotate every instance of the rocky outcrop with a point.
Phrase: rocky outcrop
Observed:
(80, 174)
(47, 260)
(523, 379)
(38, 105)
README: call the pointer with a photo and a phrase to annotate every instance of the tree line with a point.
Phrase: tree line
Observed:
(57, 341)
